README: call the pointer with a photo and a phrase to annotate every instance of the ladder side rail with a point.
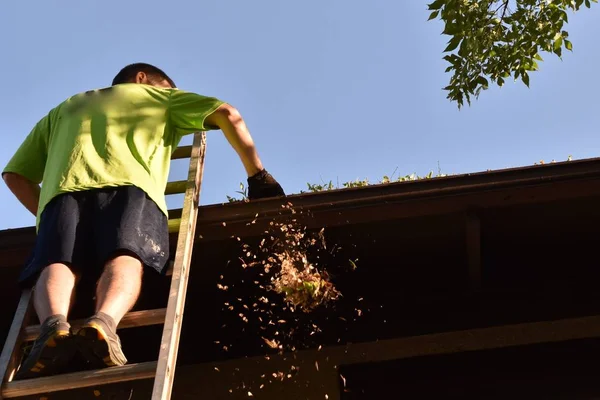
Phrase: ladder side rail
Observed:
(12, 344)
(167, 359)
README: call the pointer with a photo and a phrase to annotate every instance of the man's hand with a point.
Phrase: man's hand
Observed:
(27, 192)
(263, 185)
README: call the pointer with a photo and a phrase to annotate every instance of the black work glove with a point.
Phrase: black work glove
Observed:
(263, 185)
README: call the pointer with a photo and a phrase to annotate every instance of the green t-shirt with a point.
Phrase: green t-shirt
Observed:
(116, 136)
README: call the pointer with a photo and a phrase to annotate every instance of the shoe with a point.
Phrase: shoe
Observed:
(99, 345)
(50, 354)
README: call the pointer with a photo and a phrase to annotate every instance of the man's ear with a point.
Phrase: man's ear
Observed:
(141, 77)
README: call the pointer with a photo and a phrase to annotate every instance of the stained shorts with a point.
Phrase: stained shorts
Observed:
(86, 229)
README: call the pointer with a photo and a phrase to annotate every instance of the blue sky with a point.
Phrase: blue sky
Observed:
(331, 90)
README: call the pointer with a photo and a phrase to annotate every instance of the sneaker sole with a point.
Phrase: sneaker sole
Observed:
(56, 354)
(93, 345)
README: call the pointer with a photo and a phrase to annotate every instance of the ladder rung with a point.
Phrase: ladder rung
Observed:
(78, 380)
(182, 152)
(174, 225)
(130, 320)
(176, 187)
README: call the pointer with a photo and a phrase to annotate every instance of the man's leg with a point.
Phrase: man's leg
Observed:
(60, 229)
(52, 350)
(54, 291)
(126, 218)
(116, 293)
(119, 286)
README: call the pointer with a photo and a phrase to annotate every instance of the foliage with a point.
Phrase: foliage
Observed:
(243, 191)
(324, 186)
(319, 187)
(493, 40)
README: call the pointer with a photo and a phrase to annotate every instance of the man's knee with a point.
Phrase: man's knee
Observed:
(60, 271)
(124, 262)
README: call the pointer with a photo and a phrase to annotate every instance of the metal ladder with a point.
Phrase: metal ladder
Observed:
(163, 370)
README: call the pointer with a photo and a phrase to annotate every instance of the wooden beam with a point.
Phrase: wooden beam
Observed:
(201, 380)
(473, 248)
(426, 197)
(165, 371)
(12, 345)
(222, 222)
(471, 340)
(75, 380)
(497, 337)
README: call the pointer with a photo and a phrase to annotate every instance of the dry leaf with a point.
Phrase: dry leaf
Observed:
(271, 343)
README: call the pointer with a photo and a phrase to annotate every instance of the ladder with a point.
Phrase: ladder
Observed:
(162, 370)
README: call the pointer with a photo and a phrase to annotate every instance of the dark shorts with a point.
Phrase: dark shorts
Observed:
(85, 229)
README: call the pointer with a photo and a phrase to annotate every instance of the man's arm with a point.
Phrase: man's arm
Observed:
(27, 192)
(25, 170)
(191, 112)
(229, 120)
(260, 183)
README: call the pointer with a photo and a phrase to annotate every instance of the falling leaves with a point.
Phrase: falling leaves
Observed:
(271, 343)
(287, 280)
(292, 274)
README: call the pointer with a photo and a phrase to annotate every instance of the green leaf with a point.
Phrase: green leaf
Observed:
(436, 5)
(482, 81)
(453, 43)
(500, 81)
(433, 15)
(558, 43)
(568, 45)
(538, 57)
(450, 29)
(558, 51)
(525, 78)
(557, 47)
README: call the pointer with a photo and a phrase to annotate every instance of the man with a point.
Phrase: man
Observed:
(103, 160)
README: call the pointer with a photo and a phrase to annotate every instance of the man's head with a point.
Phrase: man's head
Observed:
(143, 73)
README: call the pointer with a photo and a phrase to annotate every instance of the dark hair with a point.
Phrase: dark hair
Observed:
(128, 73)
